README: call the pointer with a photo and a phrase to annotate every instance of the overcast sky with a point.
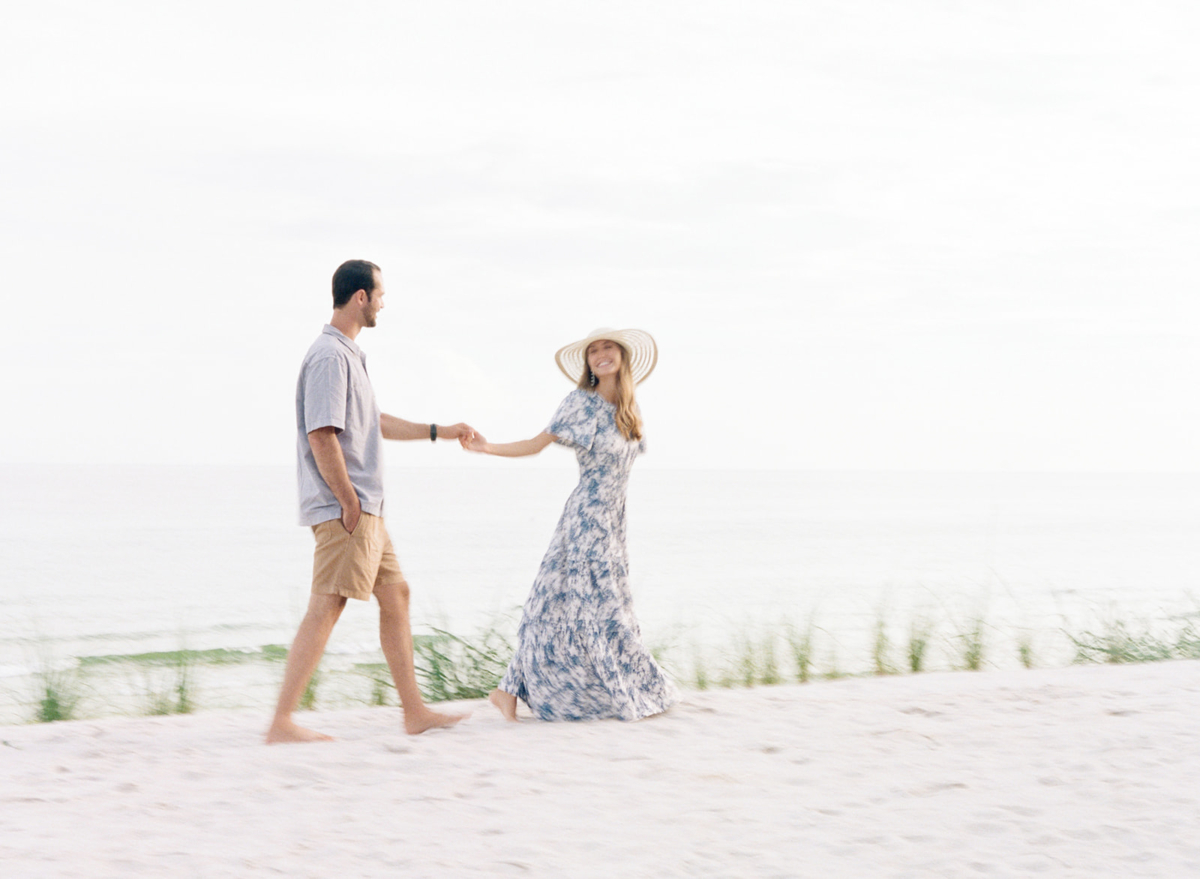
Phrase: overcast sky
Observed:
(865, 234)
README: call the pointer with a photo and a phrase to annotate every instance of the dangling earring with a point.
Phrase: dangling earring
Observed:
(592, 378)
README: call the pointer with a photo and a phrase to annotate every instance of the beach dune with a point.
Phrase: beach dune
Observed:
(1086, 771)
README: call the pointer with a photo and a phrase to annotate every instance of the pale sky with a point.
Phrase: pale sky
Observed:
(867, 235)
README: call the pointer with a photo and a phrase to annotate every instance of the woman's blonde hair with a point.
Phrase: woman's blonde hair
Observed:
(628, 420)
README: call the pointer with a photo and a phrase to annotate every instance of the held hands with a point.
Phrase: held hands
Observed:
(467, 436)
(460, 432)
(476, 442)
(521, 449)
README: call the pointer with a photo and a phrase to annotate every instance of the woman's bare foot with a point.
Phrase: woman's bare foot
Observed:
(287, 731)
(417, 723)
(506, 702)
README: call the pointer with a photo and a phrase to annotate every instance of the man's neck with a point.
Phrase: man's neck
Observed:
(345, 324)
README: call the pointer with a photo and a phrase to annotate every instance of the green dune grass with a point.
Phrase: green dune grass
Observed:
(455, 666)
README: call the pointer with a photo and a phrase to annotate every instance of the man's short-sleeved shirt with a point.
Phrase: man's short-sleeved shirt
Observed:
(334, 391)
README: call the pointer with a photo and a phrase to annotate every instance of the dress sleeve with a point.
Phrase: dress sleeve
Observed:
(575, 422)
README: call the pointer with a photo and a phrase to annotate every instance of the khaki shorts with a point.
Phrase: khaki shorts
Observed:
(354, 565)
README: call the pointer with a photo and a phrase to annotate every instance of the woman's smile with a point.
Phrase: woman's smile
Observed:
(604, 357)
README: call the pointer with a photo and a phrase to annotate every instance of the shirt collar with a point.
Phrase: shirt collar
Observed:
(331, 330)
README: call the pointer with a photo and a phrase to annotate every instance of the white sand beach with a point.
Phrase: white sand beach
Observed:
(1089, 771)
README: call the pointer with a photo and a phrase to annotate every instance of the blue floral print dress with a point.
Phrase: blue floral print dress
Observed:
(579, 647)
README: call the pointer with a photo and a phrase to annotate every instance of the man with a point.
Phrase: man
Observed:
(340, 429)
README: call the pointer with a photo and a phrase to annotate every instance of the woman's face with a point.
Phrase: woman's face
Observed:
(604, 358)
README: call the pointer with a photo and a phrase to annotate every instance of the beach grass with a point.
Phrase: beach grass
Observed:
(166, 679)
(379, 677)
(59, 693)
(452, 666)
(752, 660)
(833, 669)
(175, 658)
(274, 652)
(744, 670)
(170, 687)
(1119, 641)
(700, 677)
(971, 643)
(58, 686)
(921, 629)
(881, 645)
(1025, 653)
(800, 640)
(769, 671)
(308, 699)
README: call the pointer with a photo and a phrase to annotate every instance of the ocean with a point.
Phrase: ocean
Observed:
(102, 565)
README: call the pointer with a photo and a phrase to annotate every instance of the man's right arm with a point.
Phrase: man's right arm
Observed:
(327, 452)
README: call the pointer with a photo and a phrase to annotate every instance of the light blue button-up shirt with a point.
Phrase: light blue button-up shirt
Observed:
(335, 391)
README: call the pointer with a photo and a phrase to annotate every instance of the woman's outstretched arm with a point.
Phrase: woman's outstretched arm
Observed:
(477, 443)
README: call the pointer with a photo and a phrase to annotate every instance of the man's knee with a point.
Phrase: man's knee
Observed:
(323, 606)
(394, 595)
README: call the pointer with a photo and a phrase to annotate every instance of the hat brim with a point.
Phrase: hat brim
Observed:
(643, 353)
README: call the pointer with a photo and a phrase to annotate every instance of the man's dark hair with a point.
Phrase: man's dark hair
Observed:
(351, 276)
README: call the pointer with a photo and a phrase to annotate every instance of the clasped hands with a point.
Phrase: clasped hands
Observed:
(473, 441)
(468, 437)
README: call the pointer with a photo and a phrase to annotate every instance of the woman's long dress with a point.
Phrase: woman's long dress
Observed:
(579, 649)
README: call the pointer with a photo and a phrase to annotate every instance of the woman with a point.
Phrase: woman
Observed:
(579, 648)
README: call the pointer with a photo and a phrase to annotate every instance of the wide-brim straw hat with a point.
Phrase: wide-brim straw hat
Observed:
(643, 353)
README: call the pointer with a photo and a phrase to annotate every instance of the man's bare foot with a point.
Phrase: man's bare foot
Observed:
(287, 731)
(417, 723)
(506, 702)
